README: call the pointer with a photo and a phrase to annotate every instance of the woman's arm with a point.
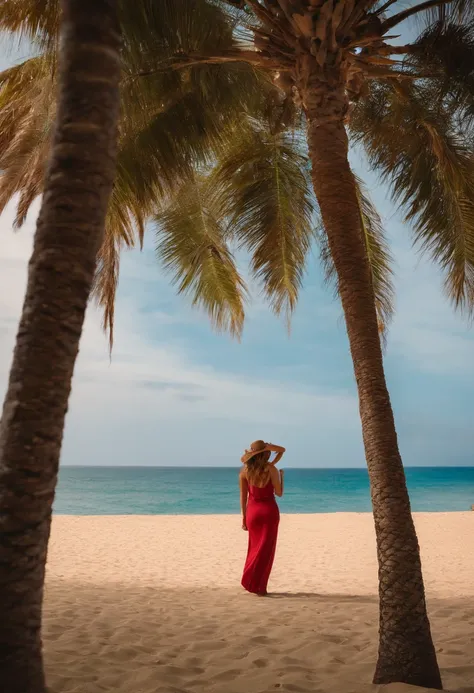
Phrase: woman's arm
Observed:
(244, 489)
(278, 449)
(276, 481)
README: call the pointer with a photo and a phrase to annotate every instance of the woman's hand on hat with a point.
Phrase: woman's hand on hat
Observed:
(270, 447)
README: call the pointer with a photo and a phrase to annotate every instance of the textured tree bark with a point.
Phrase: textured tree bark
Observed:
(69, 231)
(406, 650)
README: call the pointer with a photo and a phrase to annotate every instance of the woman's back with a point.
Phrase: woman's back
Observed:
(266, 492)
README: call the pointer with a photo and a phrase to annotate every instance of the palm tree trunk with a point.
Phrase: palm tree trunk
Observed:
(406, 650)
(69, 232)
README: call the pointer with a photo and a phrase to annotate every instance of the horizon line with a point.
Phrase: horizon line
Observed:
(237, 466)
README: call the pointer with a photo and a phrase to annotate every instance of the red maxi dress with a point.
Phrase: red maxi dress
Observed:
(262, 517)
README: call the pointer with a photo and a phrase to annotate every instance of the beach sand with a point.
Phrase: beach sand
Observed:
(153, 605)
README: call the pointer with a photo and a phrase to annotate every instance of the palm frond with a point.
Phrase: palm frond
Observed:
(429, 166)
(154, 31)
(458, 11)
(35, 20)
(445, 51)
(192, 246)
(171, 122)
(378, 253)
(27, 112)
(148, 25)
(423, 9)
(124, 227)
(106, 279)
(169, 131)
(262, 188)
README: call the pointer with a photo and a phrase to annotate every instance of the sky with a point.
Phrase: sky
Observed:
(176, 393)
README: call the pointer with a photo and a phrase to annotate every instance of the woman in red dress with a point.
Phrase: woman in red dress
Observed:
(260, 481)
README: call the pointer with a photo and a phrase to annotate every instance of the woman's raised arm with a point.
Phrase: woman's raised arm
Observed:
(278, 450)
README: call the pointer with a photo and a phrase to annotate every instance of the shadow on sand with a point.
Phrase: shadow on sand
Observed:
(140, 638)
(340, 598)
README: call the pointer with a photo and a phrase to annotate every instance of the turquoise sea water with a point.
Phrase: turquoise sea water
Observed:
(197, 491)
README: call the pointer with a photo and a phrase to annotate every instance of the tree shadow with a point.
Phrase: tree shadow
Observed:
(104, 636)
(315, 596)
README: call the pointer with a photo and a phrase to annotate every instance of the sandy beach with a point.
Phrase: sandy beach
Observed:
(153, 605)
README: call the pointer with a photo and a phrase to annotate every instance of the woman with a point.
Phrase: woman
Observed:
(260, 481)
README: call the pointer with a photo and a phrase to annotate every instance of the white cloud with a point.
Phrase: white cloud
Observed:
(436, 351)
(427, 331)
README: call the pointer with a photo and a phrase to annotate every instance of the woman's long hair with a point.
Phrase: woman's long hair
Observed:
(257, 469)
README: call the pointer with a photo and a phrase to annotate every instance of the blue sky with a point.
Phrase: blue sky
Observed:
(176, 393)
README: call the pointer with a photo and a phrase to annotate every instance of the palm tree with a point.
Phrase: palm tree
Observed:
(151, 112)
(77, 187)
(411, 107)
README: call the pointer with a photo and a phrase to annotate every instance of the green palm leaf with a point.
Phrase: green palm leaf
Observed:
(177, 122)
(192, 246)
(171, 123)
(429, 165)
(263, 190)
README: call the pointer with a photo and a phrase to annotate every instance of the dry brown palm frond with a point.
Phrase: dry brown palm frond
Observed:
(27, 111)
(35, 20)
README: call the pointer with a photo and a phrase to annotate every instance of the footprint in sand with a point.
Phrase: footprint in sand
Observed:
(260, 640)
(260, 663)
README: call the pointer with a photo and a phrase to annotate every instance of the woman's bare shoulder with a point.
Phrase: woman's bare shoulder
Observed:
(243, 473)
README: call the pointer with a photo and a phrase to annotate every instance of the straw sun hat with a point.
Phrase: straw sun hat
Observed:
(255, 448)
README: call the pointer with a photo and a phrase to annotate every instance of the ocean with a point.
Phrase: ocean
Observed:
(202, 491)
